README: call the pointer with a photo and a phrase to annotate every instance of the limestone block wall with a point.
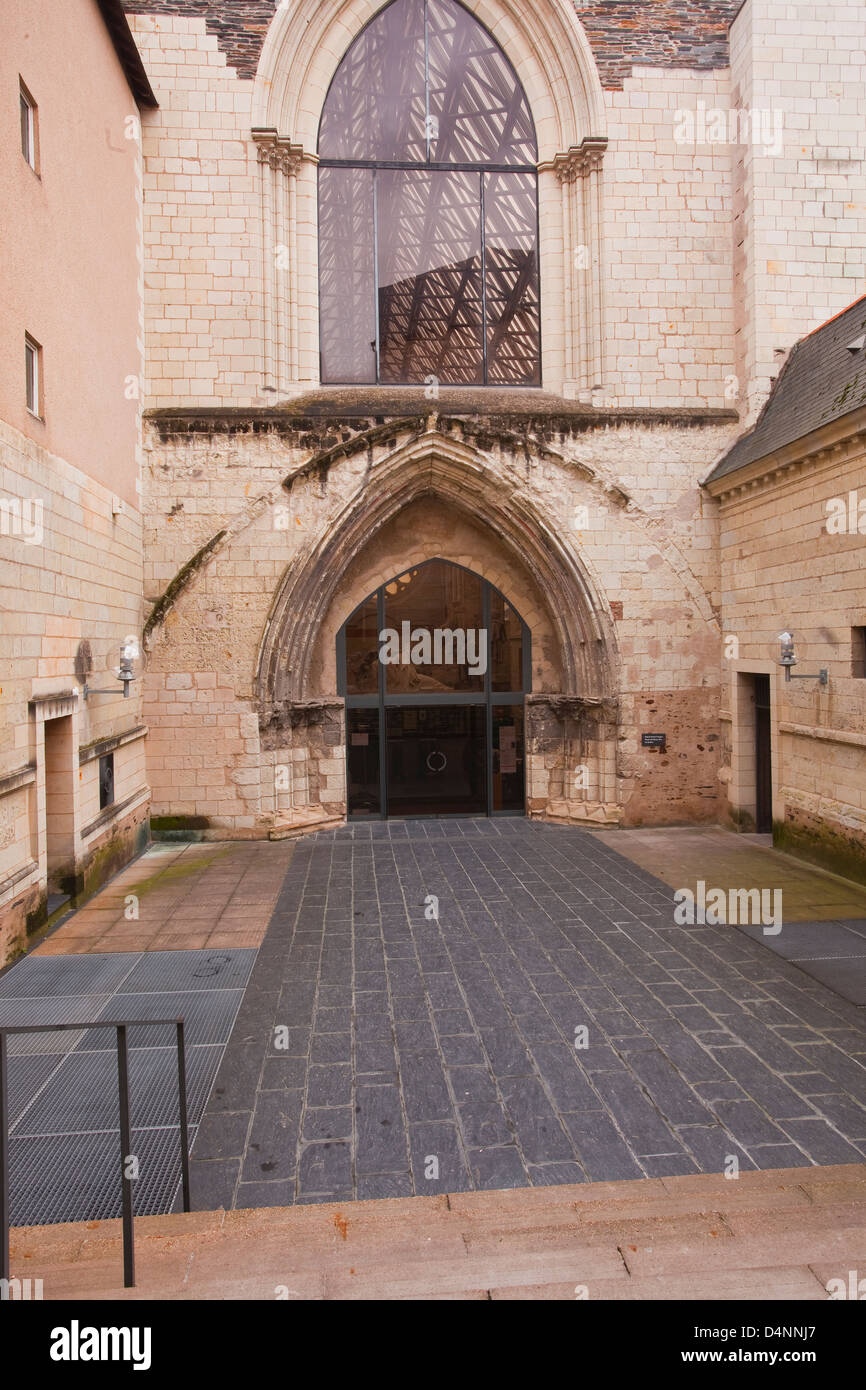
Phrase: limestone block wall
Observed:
(782, 568)
(70, 591)
(800, 198)
(234, 506)
(231, 250)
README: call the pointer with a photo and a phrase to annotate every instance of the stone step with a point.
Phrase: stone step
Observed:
(767, 1235)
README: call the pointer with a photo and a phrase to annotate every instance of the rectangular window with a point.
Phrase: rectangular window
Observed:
(858, 653)
(106, 781)
(29, 134)
(33, 375)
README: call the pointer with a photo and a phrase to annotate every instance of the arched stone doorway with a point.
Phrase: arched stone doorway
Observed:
(434, 667)
(432, 496)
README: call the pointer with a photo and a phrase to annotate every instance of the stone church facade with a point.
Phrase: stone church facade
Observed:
(679, 190)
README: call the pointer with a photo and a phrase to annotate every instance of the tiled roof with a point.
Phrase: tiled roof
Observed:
(823, 379)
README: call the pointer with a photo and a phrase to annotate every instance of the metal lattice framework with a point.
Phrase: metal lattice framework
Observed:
(428, 207)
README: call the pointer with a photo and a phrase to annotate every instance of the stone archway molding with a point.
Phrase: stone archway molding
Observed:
(433, 464)
(544, 41)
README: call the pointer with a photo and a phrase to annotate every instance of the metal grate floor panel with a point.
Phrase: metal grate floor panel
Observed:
(81, 1096)
(208, 1017)
(64, 1159)
(188, 970)
(43, 977)
(59, 1009)
(75, 1177)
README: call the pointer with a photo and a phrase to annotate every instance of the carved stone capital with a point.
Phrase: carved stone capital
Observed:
(278, 151)
(580, 160)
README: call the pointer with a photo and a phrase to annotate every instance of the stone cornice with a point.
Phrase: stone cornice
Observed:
(319, 407)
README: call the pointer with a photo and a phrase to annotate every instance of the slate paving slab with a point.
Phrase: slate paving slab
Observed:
(553, 1024)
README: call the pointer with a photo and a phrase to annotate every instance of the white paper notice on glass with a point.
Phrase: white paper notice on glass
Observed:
(507, 749)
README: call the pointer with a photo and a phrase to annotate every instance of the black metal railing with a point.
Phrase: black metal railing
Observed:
(125, 1129)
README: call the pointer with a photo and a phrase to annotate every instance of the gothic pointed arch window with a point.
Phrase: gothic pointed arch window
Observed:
(428, 207)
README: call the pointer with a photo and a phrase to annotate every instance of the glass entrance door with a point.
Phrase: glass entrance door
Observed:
(434, 668)
(436, 760)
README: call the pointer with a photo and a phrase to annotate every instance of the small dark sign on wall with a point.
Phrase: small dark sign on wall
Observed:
(654, 741)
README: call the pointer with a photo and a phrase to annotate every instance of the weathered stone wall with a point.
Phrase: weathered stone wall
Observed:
(651, 33)
(257, 503)
(781, 568)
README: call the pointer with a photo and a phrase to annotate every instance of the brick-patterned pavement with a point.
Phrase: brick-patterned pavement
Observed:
(382, 1053)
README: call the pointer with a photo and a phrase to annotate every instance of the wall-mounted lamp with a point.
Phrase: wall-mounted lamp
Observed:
(788, 658)
(129, 654)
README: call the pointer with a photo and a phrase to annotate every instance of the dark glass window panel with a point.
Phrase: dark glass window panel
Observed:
(347, 303)
(506, 645)
(511, 271)
(376, 108)
(430, 300)
(437, 760)
(478, 113)
(106, 781)
(362, 649)
(362, 731)
(436, 595)
(509, 758)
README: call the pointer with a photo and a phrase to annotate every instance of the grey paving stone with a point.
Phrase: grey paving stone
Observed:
(771, 1092)
(712, 1148)
(779, 1156)
(537, 1125)
(747, 1122)
(462, 1050)
(383, 1185)
(698, 1037)
(639, 1120)
(329, 1084)
(266, 1194)
(272, 1150)
(485, 1124)
(333, 1122)
(415, 1036)
(472, 1084)
(675, 1100)
(601, 1149)
(820, 1142)
(381, 1136)
(331, 1047)
(325, 1170)
(283, 1074)
(212, 1183)
(669, 1165)
(565, 1079)
(222, 1136)
(554, 1174)
(497, 1168)
(425, 1093)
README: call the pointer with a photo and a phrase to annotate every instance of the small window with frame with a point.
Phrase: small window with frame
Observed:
(106, 781)
(29, 127)
(33, 375)
(858, 653)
